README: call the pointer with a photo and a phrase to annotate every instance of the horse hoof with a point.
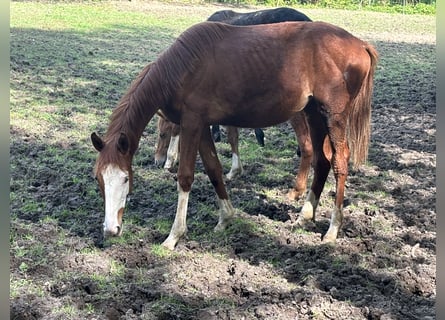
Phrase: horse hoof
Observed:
(169, 243)
(329, 238)
(219, 227)
(231, 175)
(294, 195)
(330, 241)
(222, 225)
(301, 222)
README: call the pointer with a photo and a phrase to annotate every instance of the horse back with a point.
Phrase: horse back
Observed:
(258, 17)
(278, 66)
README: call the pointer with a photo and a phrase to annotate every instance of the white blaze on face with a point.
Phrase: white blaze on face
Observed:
(116, 189)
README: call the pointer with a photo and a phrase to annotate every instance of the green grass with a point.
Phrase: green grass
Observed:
(70, 63)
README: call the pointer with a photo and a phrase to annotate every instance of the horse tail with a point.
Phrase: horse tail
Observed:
(359, 128)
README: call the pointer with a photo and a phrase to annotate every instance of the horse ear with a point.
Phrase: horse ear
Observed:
(97, 142)
(122, 144)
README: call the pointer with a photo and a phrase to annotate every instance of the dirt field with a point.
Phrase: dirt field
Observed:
(382, 267)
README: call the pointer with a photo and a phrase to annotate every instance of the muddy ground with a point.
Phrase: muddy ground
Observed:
(382, 267)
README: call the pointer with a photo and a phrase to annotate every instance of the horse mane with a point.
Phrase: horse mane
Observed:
(157, 83)
(185, 55)
(154, 87)
(131, 111)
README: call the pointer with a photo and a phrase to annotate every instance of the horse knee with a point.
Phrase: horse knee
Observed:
(185, 182)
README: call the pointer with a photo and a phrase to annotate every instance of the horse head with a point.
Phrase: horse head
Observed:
(114, 175)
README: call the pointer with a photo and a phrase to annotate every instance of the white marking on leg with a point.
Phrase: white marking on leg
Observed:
(172, 152)
(309, 207)
(179, 227)
(226, 212)
(334, 227)
(116, 188)
(236, 169)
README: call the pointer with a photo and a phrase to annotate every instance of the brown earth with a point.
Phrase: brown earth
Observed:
(382, 267)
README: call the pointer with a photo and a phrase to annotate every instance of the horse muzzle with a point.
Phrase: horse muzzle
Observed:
(115, 231)
(114, 228)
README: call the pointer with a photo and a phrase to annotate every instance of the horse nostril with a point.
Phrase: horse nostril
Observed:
(119, 230)
(113, 232)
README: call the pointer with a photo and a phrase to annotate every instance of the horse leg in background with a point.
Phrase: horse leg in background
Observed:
(321, 161)
(164, 135)
(301, 128)
(214, 171)
(259, 134)
(173, 148)
(216, 133)
(237, 167)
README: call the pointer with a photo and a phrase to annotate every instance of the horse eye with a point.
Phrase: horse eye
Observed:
(126, 180)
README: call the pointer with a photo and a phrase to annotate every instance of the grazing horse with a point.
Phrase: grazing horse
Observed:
(250, 76)
(275, 15)
(168, 135)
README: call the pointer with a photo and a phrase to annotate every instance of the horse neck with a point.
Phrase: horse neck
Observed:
(136, 108)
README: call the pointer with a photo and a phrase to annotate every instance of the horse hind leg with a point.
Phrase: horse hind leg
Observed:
(214, 171)
(236, 168)
(216, 133)
(321, 161)
(340, 159)
(259, 135)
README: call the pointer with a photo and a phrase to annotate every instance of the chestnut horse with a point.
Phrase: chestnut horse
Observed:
(274, 15)
(167, 150)
(250, 76)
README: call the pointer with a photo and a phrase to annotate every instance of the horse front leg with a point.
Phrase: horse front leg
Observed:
(301, 128)
(214, 171)
(179, 227)
(190, 135)
(237, 167)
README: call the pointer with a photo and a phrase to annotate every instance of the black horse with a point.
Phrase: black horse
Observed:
(251, 18)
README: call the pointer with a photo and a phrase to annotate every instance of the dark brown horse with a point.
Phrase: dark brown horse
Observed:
(252, 76)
